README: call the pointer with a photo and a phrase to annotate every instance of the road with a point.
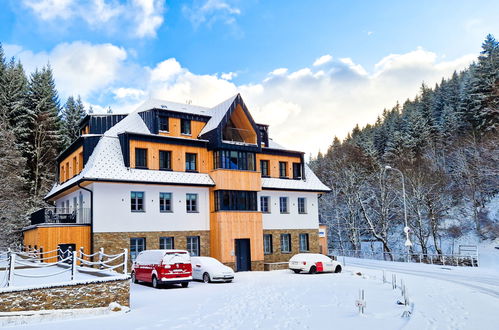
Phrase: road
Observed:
(482, 279)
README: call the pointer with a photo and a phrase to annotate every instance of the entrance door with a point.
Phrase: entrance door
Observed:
(243, 255)
(64, 251)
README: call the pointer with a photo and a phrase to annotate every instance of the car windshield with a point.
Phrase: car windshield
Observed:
(176, 258)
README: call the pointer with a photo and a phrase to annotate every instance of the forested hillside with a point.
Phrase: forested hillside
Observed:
(34, 128)
(445, 142)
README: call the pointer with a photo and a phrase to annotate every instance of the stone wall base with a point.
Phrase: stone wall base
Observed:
(88, 295)
(278, 256)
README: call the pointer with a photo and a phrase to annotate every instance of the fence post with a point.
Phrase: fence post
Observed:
(125, 261)
(443, 260)
(73, 264)
(101, 257)
(12, 261)
(81, 256)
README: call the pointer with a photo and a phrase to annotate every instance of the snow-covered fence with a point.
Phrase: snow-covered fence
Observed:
(437, 259)
(14, 263)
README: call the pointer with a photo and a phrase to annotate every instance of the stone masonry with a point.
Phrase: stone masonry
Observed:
(88, 295)
(115, 242)
(278, 256)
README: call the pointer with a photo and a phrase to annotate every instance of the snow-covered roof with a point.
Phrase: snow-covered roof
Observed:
(107, 162)
(173, 106)
(311, 183)
(217, 114)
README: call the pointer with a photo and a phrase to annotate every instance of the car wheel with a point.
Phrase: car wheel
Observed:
(185, 284)
(313, 270)
(206, 278)
(296, 271)
(337, 269)
(155, 283)
(134, 279)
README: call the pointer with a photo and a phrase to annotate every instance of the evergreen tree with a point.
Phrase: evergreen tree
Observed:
(15, 98)
(71, 115)
(485, 87)
(42, 138)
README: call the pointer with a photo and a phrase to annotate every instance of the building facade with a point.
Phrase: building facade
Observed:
(169, 175)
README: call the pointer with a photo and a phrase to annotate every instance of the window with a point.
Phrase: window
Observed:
(191, 202)
(165, 160)
(285, 243)
(303, 242)
(235, 160)
(193, 245)
(137, 245)
(185, 126)
(166, 243)
(283, 169)
(235, 200)
(283, 204)
(297, 171)
(165, 202)
(137, 201)
(163, 124)
(265, 204)
(267, 244)
(190, 162)
(140, 158)
(302, 205)
(264, 168)
(75, 169)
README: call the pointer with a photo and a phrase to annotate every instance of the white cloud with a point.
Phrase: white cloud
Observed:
(369, 33)
(79, 68)
(210, 11)
(228, 75)
(323, 60)
(305, 108)
(143, 17)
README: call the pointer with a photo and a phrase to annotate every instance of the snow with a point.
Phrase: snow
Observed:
(441, 298)
(311, 183)
(27, 283)
(217, 114)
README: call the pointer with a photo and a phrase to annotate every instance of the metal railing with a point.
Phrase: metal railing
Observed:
(58, 215)
(470, 260)
(16, 263)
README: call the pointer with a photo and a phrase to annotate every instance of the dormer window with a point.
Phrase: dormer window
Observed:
(185, 126)
(140, 158)
(297, 171)
(283, 169)
(163, 124)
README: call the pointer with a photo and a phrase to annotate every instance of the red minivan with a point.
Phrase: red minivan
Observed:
(163, 267)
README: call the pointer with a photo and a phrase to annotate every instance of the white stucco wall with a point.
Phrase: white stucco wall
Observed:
(112, 209)
(291, 220)
(61, 202)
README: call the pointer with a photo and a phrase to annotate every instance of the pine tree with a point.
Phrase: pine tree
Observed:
(71, 115)
(485, 87)
(42, 138)
(3, 70)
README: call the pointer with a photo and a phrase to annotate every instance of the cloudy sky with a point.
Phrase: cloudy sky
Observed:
(309, 69)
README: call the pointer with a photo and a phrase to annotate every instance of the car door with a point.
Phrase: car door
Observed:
(328, 265)
(197, 269)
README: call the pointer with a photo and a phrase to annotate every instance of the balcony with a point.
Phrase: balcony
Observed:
(61, 215)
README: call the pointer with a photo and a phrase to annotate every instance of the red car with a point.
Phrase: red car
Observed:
(162, 267)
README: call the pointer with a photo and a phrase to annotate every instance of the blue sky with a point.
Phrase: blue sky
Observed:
(325, 65)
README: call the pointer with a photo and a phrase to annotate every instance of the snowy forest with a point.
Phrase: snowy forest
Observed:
(34, 129)
(445, 142)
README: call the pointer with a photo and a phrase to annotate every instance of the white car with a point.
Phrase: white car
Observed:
(313, 263)
(209, 269)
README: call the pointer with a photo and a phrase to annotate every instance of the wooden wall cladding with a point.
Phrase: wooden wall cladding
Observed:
(204, 157)
(71, 165)
(274, 163)
(236, 180)
(225, 227)
(174, 128)
(51, 236)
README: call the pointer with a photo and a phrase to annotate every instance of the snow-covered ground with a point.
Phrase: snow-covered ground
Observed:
(442, 297)
(29, 278)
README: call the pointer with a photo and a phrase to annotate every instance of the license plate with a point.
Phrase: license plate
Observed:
(178, 271)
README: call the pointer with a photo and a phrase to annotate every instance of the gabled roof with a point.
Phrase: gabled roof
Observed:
(173, 106)
(217, 113)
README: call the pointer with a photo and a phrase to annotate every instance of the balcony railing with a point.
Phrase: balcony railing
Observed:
(58, 215)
